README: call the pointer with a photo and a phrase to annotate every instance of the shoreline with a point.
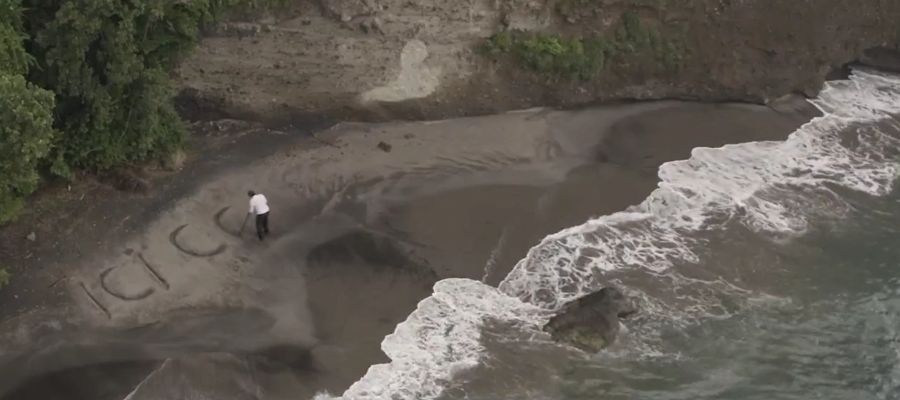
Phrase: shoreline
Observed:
(536, 168)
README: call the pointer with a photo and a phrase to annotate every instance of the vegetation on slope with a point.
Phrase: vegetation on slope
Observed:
(583, 58)
(84, 84)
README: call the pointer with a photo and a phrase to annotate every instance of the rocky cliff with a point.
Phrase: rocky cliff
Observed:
(375, 59)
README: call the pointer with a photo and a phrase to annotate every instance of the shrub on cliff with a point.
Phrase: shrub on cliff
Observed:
(549, 54)
(582, 58)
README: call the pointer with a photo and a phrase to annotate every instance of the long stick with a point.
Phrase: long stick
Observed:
(244, 224)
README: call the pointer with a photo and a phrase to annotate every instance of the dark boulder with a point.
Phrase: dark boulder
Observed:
(591, 322)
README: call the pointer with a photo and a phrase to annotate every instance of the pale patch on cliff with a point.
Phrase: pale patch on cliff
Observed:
(416, 79)
(385, 59)
(339, 56)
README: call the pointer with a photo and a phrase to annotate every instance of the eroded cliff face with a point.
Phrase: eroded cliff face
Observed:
(378, 59)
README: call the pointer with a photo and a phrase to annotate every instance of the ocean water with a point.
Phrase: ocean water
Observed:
(763, 270)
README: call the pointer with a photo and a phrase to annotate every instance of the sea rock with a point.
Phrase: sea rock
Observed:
(591, 322)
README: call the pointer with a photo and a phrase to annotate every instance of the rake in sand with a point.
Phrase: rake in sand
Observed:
(246, 218)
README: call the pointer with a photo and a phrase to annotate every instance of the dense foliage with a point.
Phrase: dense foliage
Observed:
(108, 62)
(84, 84)
(26, 117)
(26, 120)
(583, 57)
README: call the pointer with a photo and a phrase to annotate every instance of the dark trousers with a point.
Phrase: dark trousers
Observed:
(262, 225)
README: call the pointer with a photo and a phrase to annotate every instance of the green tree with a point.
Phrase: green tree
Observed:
(86, 84)
(26, 135)
(26, 117)
(108, 63)
(100, 70)
(13, 58)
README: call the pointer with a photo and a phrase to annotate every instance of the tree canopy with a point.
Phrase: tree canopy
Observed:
(26, 116)
(85, 84)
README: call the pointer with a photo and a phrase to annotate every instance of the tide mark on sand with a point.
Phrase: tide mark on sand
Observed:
(153, 272)
(173, 237)
(94, 300)
(140, 296)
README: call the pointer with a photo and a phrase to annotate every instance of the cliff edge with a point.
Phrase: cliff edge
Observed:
(380, 59)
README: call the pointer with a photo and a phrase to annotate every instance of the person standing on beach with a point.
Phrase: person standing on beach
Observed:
(259, 206)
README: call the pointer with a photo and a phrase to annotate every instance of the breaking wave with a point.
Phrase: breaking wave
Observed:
(767, 187)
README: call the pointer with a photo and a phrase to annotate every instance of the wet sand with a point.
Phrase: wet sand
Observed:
(361, 231)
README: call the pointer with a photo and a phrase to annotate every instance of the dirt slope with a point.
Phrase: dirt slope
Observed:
(380, 59)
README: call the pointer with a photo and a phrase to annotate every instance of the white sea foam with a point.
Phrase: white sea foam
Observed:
(734, 181)
(767, 186)
(439, 338)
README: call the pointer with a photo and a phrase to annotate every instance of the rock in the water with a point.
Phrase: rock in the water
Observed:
(31, 236)
(591, 323)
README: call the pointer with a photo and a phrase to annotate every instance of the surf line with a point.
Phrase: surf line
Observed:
(150, 376)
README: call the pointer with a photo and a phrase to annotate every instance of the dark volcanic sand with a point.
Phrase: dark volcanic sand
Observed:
(360, 235)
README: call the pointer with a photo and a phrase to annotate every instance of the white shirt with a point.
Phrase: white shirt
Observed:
(259, 204)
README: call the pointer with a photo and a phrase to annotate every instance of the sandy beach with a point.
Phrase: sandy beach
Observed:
(365, 219)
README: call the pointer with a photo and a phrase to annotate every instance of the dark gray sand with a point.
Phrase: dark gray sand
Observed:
(360, 234)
